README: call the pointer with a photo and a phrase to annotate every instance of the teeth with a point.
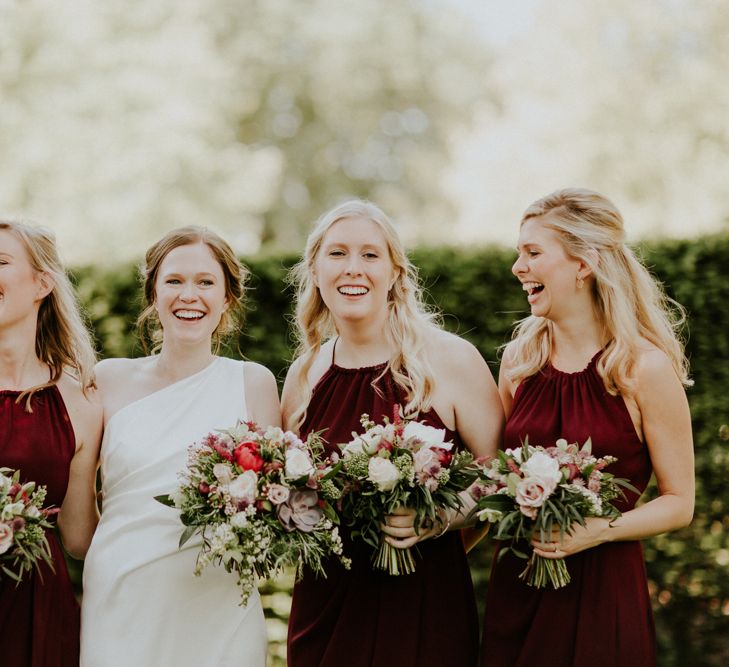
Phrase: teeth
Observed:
(189, 314)
(353, 291)
(530, 286)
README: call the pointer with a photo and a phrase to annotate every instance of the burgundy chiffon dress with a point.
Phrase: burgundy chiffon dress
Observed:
(39, 619)
(366, 618)
(603, 616)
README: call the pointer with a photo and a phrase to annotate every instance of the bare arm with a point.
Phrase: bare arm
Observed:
(666, 426)
(79, 512)
(262, 395)
(465, 389)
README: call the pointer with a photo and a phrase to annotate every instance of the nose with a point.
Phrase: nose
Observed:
(187, 293)
(519, 266)
(353, 266)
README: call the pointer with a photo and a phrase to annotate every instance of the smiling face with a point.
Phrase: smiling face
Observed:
(546, 272)
(353, 270)
(190, 294)
(22, 288)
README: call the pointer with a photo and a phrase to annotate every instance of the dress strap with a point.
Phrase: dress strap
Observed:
(334, 349)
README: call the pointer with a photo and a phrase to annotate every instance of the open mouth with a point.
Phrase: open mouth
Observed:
(353, 290)
(189, 315)
(532, 289)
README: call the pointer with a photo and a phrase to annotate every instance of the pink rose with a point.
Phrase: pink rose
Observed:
(531, 494)
(277, 493)
(6, 537)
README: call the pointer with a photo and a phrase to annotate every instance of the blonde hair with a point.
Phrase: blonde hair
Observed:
(407, 323)
(234, 274)
(628, 301)
(62, 340)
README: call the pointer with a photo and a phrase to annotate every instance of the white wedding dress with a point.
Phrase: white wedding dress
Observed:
(142, 604)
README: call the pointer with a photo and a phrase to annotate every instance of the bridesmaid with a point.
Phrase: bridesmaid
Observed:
(142, 603)
(367, 343)
(50, 426)
(598, 357)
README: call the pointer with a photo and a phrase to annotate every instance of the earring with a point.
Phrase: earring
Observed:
(580, 282)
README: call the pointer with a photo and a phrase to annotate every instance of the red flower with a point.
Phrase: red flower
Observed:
(203, 488)
(247, 457)
(444, 456)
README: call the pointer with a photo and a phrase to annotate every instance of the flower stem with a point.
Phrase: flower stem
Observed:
(394, 561)
(541, 572)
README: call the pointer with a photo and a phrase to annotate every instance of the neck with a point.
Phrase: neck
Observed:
(361, 346)
(20, 368)
(177, 362)
(577, 339)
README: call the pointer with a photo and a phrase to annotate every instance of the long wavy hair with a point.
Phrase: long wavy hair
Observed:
(407, 323)
(234, 273)
(628, 301)
(62, 340)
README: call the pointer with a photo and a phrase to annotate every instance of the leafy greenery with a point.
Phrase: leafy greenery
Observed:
(480, 300)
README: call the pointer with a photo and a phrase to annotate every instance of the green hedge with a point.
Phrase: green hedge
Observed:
(688, 570)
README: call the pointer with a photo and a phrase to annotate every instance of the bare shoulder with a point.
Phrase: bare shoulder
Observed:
(447, 349)
(652, 364)
(111, 371)
(84, 408)
(258, 375)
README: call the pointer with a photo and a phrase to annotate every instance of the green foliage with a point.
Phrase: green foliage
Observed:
(481, 300)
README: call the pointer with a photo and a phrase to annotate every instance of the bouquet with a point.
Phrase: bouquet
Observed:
(400, 463)
(260, 502)
(23, 520)
(532, 489)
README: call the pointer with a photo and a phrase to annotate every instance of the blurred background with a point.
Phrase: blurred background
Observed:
(121, 120)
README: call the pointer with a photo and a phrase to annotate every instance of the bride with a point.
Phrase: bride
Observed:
(142, 605)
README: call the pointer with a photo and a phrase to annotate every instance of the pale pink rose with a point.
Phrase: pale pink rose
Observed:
(244, 488)
(530, 495)
(541, 466)
(423, 458)
(6, 537)
(383, 473)
(223, 473)
(278, 493)
(298, 464)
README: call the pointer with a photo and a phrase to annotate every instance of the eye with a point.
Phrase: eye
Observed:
(533, 253)
(336, 253)
(172, 281)
(370, 255)
(206, 282)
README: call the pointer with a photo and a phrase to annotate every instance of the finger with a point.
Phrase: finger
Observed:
(398, 531)
(399, 520)
(402, 543)
(402, 511)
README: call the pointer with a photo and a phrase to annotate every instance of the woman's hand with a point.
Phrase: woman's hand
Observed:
(399, 527)
(584, 537)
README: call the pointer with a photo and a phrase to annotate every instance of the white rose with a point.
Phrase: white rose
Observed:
(223, 473)
(244, 487)
(353, 447)
(6, 537)
(429, 436)
(32, 511)
(423, 458)
(383, 473)
(514, 453)
(239, 520)
(541, 466)
(531, 494)
(298, 464)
